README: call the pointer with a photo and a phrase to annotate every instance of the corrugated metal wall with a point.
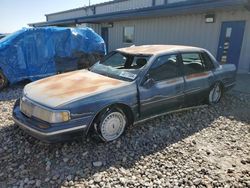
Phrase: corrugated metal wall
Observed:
(69, 14)
(176, 1)
(124, 5)
(95, 27)
(107, 8)
(159, 2)
(185, 29)
(101, 9)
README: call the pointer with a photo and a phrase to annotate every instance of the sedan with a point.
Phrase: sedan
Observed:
(128, 86)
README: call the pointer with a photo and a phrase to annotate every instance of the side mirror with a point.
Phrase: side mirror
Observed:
(149, 82)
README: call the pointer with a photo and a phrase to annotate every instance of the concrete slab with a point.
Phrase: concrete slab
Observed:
(242, 83)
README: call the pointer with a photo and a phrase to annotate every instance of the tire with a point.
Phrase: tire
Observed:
(3, 80)
(215, 94)
(110, 124)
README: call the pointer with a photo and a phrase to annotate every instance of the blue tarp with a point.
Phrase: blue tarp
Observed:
(32, 53)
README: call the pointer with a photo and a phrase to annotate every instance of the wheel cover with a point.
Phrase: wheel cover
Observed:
(113, 126)
(215, 94)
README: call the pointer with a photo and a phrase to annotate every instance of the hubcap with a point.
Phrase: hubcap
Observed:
(113, 126)
(215, 94)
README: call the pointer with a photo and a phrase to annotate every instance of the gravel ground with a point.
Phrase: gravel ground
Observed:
(205, 147)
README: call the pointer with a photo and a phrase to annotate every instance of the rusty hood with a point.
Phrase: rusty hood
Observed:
(64, 88)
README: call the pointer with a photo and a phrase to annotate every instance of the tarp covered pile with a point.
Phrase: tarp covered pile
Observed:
(34, 53)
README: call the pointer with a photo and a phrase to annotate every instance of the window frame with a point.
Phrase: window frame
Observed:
(179, 72)
(123, 34)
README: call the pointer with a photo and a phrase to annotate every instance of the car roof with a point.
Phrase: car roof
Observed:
(156, 49)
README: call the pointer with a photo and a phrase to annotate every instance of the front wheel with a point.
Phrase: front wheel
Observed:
(111, 124)
(3, 80)
(215, 94)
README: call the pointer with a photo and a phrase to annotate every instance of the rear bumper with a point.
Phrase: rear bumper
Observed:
(48, 132)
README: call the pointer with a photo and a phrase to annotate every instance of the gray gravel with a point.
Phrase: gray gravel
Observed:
(205, 147)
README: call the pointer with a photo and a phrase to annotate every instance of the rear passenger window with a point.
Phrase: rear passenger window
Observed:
(192, 63)
(208, 64)
(165, 67)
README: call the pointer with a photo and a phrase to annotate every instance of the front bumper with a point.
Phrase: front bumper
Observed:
(51, 132)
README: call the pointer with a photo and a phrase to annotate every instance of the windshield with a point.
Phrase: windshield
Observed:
(121, 66)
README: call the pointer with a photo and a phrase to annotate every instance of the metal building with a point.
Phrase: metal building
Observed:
(221, 26)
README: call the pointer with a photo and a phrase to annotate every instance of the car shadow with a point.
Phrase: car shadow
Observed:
(58, 161)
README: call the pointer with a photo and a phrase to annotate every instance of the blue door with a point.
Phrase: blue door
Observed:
(105, 36)
(230, 44)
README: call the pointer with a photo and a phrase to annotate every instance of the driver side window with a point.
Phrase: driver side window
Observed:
(165, 67)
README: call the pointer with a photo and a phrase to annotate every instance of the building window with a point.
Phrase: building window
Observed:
(128, 34)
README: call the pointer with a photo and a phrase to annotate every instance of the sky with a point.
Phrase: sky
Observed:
(16, 14)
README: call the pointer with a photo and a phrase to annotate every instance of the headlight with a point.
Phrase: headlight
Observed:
(57, 117)
(52, 116)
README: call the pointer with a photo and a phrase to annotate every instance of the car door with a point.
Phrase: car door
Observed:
(198, 76)
(163, 87)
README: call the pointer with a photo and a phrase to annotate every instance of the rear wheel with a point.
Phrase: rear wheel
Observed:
(3, 80)
(215, 94)
(110, 124)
